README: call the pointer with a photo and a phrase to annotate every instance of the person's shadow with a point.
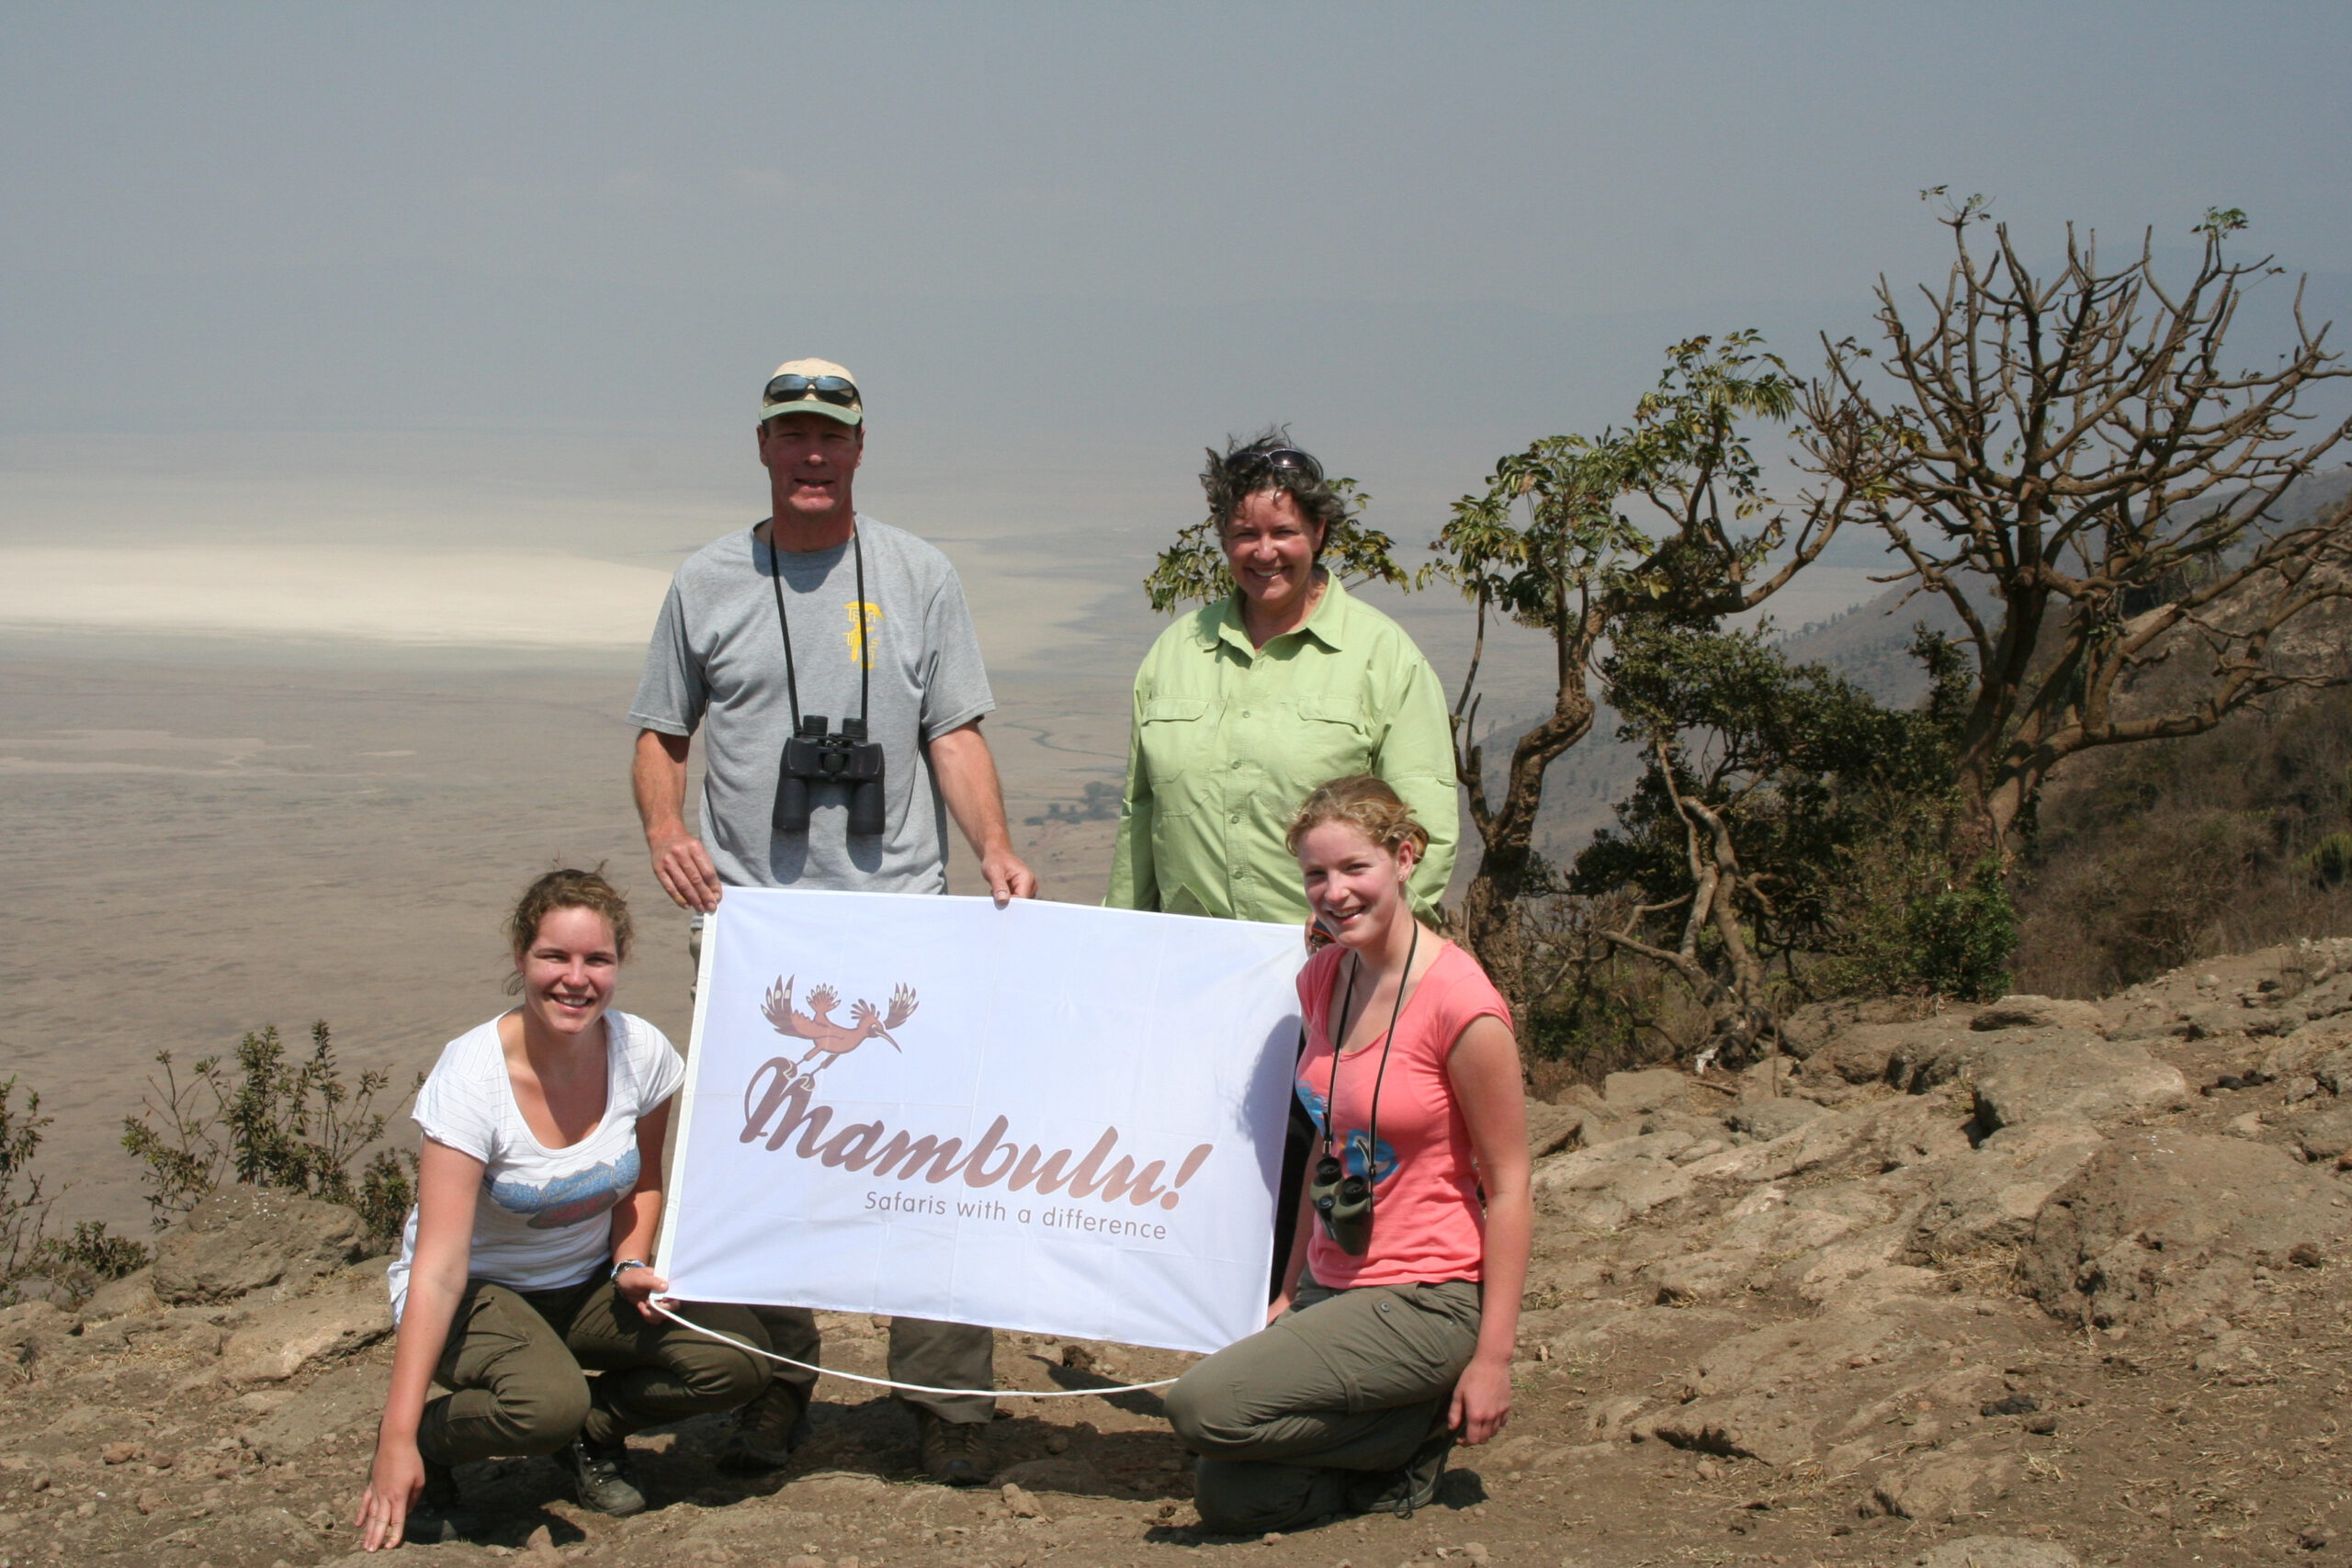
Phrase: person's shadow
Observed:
(1456, 1490)
(878, 1437)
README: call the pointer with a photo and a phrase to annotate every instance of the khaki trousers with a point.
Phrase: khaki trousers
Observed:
(1344, 1383)
(938, 1355)
(516, 1364)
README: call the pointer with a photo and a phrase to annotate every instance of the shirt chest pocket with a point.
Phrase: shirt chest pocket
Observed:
(1330, 740)
(1178, 737)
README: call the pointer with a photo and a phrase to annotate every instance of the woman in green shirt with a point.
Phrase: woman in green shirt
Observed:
(1247, 703)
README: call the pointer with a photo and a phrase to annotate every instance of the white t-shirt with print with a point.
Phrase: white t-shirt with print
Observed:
(542, 1218)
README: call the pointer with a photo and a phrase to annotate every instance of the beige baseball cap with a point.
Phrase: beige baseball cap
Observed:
(812, 386)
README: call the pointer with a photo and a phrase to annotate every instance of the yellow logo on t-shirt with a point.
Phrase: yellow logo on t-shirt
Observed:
(858, 652)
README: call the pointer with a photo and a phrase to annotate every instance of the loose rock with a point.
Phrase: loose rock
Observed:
(2025, 1011)
(2326, 1137)
(241, 1239)
(1630, 1094)
(281, 1339)
(2021, 1079)
(1997, 1552)
(2169, 1229)
(1947, 1485)
(1768, 1119)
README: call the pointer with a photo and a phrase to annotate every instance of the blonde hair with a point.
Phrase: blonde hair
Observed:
(1367, 805)
(570, 889)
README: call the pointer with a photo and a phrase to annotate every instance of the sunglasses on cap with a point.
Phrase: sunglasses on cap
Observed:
(839, 391)
(1290, 457)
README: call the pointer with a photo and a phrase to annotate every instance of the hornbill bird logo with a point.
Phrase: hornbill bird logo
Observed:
(826, 1038)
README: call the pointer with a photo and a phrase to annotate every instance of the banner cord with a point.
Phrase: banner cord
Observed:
(911, 1387)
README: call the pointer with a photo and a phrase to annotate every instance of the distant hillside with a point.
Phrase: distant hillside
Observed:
(1867, 643)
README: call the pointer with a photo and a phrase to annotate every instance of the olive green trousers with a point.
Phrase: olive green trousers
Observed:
(1345, 1383)
(518, 1364)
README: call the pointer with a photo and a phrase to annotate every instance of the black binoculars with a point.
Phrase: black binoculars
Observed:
(819, 755)
(1342, 1202)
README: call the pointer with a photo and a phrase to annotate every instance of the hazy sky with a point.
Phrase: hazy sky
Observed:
(580, 215)
(1062, 245)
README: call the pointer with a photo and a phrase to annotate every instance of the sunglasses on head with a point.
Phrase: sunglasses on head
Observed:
(1290, 457)
(839, 391)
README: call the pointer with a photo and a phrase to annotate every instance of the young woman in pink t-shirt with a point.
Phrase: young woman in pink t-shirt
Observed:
(1392, 1331)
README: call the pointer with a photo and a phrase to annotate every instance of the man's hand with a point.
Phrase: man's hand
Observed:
(657, 777)
(1008, 878)
(685, 870)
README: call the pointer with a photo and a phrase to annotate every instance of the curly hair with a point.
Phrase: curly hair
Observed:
(570, 889)
(1367, 805)
(1233, 478)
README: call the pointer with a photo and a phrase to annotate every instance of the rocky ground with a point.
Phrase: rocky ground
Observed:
(2036, 1284)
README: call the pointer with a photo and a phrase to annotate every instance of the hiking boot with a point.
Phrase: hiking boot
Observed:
(951, 1450)
(600, 1479)
(1399, 1491)
(766, 1431)
(439, 1515)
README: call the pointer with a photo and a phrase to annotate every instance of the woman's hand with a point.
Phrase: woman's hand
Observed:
(1280, 1304)
(638, 1287)
(392, 1487)
(1482, 1399)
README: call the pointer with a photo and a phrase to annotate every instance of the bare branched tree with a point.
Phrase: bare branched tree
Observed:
(2095, 490)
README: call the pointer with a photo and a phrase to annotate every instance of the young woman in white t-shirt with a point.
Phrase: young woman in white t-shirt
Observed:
(522, 1268)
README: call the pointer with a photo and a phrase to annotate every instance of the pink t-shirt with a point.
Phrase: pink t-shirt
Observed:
(1427, 1222)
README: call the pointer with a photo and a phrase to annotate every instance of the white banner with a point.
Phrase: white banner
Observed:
(1047, 1117)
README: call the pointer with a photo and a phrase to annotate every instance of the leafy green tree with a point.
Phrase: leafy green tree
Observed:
(1576, 536)
(1764, 780)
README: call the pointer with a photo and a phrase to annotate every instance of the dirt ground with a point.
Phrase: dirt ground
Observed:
(193, 848)
(122, 1444)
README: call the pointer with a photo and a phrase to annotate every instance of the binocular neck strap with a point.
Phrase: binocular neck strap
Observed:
(783, 628)
(1332, 1091)
(864, 646)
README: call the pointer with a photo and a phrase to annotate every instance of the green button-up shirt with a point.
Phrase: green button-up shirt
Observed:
(1228, 739)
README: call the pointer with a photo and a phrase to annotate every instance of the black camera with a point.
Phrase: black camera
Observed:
(819, 755)
(1342, 1202)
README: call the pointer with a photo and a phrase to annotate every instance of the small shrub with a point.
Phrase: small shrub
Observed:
(276, 1122)
(2329, 861)
(1898, 927)
(24, 1204)
(74, 1265)
(79, 1263)
(1961, 941)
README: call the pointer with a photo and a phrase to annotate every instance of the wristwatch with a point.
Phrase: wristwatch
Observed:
(626, 1264)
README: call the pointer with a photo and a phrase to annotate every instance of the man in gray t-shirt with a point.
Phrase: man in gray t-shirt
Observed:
(816, 613)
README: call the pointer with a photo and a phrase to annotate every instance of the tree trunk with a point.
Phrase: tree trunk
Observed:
(1507, 838)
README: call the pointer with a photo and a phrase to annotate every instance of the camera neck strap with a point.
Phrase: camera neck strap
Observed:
(784, 627)
(1331, 1090)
